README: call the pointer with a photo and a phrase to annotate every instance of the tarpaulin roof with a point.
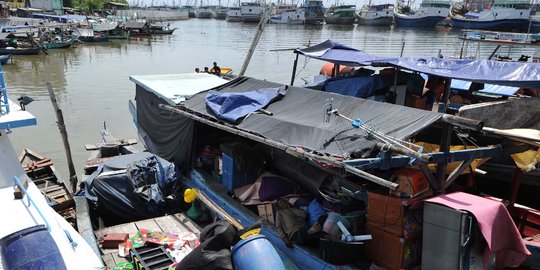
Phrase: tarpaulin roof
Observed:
(340, 54)
(305, 127)
(488, 88)
(515, 74)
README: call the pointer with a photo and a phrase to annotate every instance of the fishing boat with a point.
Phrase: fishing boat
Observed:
(503, 14)
(190, 10)
(54, 243)
(204, 12)
(220, 13)
(234, 14)
(45, 176)
(344, 14)
(314, 11)
(59, 44)
(430, 13)
(380, 15)
(161, 29)
(4, 58)
(19, 44)
(287, 14)
(267, 134)
(252, 11)
(88, 35)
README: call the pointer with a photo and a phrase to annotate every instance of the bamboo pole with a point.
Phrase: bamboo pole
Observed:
(260, 29)
(63, 132)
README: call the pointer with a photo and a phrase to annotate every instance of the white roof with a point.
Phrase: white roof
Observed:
(175, 88)
(16, 117)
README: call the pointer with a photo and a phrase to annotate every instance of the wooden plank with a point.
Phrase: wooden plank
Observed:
(148, 224)
(84, 224)
(170, 225)
(108, 259)
(187, 222)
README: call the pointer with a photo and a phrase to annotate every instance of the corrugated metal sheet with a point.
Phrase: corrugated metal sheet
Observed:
(85, 32)
(134, 25)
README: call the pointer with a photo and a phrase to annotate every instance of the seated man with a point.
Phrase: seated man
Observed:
(292, 225)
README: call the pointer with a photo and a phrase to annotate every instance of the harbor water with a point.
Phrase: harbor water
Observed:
(92, 83)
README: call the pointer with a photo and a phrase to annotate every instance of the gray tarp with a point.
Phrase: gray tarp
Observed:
(165, 134)
(297, 119)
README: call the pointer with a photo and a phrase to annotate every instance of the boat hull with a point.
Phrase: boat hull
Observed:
(314, 19)
(4, 58)
(495, 24)
(382, 21)
(340, 20)
(418, 22)
(94, 39)
(31, 51)
(203, 15)
(234, 18)
(251, 18)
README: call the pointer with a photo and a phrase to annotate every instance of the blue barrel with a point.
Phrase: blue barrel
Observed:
(256, 253)
(31, 248)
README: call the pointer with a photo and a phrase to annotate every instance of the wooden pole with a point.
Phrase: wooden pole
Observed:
(446, 140)
(516, 182)
(260, 29)
(294, 70)
(63, 132)
(446, 96)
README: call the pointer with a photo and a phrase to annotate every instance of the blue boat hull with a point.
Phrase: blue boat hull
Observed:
(497, 24)
(419, 22)
(4, 58)
(218, 195)
(94, 39)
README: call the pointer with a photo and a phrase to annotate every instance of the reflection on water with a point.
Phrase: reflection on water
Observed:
(92, 80)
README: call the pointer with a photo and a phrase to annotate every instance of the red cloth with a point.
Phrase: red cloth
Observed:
(496, 225)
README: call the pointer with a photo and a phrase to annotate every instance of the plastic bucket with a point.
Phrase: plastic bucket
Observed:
(31, 248)
(256, 253)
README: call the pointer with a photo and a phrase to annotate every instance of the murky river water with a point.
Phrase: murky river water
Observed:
(92, 80)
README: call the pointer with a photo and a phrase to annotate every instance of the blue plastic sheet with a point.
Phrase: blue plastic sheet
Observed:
(361, 87)
(499, 90)
(514, 74)
(232, 106)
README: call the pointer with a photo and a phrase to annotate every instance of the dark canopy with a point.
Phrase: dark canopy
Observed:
(298, 118)
(517, 74)
(340, 54)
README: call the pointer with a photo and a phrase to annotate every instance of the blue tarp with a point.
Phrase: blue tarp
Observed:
(234, 105)
(361, 87)
(514, 74)
(340, 54)
(488, 88)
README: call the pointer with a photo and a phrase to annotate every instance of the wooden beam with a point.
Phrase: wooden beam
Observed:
(214, 207)
(457, 172)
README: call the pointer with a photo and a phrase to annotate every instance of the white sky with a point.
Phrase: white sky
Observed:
(327, 3)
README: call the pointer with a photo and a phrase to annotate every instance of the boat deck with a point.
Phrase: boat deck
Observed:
(175, 224)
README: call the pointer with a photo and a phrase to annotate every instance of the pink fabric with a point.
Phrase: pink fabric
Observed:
(496, 225)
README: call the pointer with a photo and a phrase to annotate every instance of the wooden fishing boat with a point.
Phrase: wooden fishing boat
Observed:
(60, 44)
(4, 58)
(21, 51)
(44, 174)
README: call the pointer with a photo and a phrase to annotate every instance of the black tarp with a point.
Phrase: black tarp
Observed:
(298, 119)
(131, 187)
(166, 134)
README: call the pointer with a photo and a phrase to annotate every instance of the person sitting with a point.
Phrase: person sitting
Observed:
(216, 69)
(197, 70)
(292, 225)
(206, 70)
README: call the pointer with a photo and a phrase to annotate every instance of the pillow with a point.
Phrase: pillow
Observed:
(315, 210)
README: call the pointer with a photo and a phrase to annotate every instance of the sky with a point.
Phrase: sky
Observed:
(327, 3)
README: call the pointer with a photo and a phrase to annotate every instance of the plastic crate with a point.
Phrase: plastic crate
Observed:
(153, 257)
(232, 178)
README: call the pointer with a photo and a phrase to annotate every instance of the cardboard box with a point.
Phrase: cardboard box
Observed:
(393, 252)
(393, 215)
(266, 211)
